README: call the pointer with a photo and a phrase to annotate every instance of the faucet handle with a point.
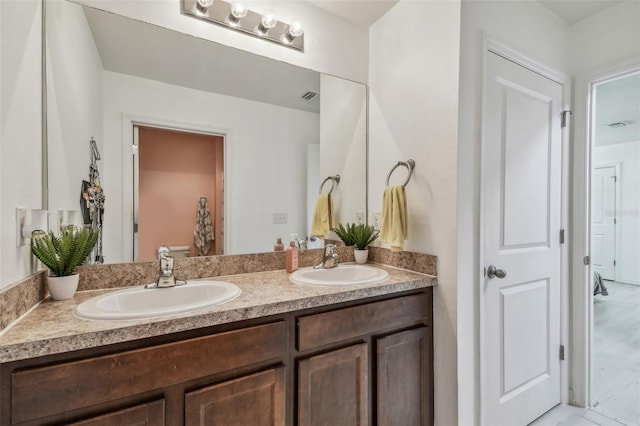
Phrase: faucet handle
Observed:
(166, 265)
(329, 249)
(163, 251)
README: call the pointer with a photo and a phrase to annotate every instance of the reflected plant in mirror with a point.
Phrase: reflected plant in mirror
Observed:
(178, 118)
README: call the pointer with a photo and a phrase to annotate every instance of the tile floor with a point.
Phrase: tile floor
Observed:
(616, 364)
(565, 415)
(615, 390)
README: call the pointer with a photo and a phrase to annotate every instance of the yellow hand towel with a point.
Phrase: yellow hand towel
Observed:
(393, 227)
(322, 216)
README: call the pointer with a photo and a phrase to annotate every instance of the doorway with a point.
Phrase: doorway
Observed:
(178, 192)
(615, 247)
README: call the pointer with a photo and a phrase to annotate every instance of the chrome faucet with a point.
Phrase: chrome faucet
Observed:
(300, 243)
(329, 259)
(166, 278)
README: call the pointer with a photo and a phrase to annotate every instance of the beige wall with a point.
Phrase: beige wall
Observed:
(413, 107)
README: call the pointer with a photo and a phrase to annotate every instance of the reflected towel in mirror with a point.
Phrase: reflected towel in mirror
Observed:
(203, 231)
(322, 216)
(393, 227)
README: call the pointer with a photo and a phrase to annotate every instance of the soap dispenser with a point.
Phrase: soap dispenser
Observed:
(292, 257)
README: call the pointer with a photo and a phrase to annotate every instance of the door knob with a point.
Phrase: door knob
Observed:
(492, 272)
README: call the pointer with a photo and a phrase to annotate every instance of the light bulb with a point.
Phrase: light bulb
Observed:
(267, 22)
(201, 7)
(295, 30)
(238, 11)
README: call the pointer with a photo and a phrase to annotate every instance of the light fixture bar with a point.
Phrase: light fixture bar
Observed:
(251, 23)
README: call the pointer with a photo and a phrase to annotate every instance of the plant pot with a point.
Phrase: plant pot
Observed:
(62, 288)
(361, 255)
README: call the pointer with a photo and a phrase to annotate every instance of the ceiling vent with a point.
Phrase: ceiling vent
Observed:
(620, 124)
(309, 95)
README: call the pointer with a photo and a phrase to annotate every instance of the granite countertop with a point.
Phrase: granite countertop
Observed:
(52, 327)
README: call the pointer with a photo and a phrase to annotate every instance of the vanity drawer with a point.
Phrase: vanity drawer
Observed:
(321, 329)
(44, 391)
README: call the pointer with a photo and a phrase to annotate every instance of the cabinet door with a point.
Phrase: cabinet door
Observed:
(257, 400)
(404, 376)
(151, 414)
(333, 388)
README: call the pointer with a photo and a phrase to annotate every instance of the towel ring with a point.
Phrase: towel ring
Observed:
(335, 180)
(409, 164)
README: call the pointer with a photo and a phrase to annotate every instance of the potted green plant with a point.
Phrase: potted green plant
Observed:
(363, 235)
(345, 233)
(62, 254)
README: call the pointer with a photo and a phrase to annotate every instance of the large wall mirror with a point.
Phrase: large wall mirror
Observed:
(177, 118)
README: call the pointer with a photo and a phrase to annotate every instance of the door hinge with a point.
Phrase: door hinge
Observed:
(615, 221)
(614, 263)
(561, 352)
(586, 260)
(562, 236)
(615, 179)
(563, 118)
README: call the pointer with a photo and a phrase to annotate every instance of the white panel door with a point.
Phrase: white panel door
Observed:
(520, 311)
(603, 207)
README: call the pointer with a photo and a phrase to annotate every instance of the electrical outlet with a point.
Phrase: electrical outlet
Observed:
(360, 217)
(279, 218)
(376, 220)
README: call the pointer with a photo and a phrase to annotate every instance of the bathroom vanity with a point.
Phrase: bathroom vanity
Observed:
(280, 354)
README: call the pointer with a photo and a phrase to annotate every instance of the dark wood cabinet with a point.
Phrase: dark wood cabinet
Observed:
(386, 379)
(403, 376)
(356, 363)
(150, 414)
(333, 388)
(257, 400)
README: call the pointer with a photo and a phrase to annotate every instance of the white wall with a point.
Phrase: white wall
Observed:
(264, 153)
(74, 102)
(413, 111)
(627, 156)
(534, 31)
(332, 45)
(343, 145)
(606, 38)
(20, 128)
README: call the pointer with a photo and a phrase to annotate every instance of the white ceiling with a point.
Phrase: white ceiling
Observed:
(135, 48)
(572, 11)
(617, 101)
(366, 12)
(361, 12)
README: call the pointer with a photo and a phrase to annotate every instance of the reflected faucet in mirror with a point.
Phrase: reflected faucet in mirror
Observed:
(166, 278)
(329, 259)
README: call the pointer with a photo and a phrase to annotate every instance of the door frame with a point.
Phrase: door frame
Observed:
(128, 123)
(582, 293)
(490, 45)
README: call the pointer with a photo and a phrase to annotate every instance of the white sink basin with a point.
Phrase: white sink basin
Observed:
(140, 302)
(342, 275)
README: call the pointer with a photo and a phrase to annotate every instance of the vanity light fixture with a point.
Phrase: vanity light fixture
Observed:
(267, 21)
(238, 11)
(294, 31)
(201, 7)
(235, 15)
